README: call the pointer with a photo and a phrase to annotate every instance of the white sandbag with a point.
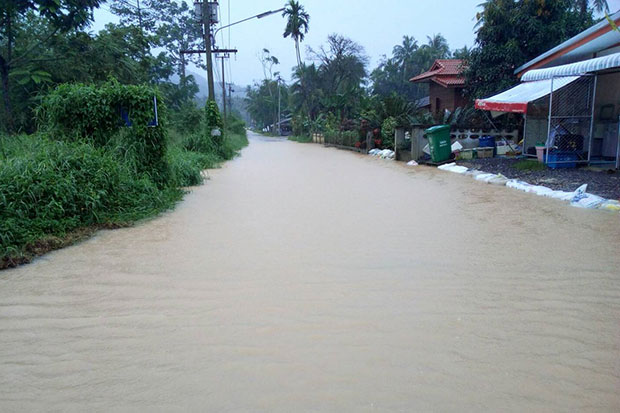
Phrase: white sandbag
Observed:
(610, 205)
(562, 195)
(484, 177)
(588, 201)
(499, 179)
(517, 184)
(540, 190)
(453, 167)
(446, 166)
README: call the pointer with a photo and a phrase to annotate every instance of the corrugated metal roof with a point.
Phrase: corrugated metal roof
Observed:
(425, 101)
(570, 42)
(573, 69)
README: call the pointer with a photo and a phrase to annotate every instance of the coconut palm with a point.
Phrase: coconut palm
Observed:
(599, 6)
(297, 24)
(404, 54)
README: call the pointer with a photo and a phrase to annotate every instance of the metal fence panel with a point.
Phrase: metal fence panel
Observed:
(570, 123)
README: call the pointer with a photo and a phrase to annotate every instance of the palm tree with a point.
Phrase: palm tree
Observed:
(599, 6)
(439, 46)
(296, 25)
(404, 54)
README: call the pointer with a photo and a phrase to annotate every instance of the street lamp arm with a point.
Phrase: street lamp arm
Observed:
(258, 16)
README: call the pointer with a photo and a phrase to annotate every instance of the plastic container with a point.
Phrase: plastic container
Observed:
(559, 159)
(466, 154)
(484, 152)
(487, 142)
(439, 142)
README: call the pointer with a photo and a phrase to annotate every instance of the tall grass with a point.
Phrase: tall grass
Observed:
(51, 188)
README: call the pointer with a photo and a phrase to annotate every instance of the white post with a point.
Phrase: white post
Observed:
(524, 147)
(618, 148)
(592, 120)
(549, 122)
(279, 112)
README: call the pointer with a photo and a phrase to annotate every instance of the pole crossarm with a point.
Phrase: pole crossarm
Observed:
(212, 51)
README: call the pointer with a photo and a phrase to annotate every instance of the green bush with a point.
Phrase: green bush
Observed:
(188, 119)
(235, 125)
(300, 139)
(101, 114)
(49, 188)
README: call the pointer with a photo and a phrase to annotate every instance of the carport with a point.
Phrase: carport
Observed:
(573, 110)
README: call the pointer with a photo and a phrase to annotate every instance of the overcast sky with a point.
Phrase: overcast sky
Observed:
(376, 25)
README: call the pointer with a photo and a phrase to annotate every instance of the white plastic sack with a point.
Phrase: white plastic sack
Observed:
(540, 190)
(562, 195)
(588, 201)
(456, 146)
(453, 167)
(520, 185)
(412, 163)
(610, 205)
(427, 149)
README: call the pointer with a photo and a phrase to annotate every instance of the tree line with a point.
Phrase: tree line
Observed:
(335, 90)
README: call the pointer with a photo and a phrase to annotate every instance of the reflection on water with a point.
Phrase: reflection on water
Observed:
(305, 278)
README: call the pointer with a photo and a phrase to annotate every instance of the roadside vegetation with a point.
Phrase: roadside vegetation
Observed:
(300, 139)
(334, 92)
(98, 130)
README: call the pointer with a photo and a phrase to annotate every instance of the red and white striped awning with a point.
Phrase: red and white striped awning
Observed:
(516, 100)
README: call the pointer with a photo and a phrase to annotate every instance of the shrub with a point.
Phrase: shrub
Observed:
(49, 188)
(100, 114)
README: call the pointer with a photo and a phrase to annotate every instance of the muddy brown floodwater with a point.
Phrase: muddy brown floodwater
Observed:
(301, 278)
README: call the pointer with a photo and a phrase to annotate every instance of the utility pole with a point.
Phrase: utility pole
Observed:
(230, 92)
(279, 108)
(139, 14)
(223, 56)
(206, 23)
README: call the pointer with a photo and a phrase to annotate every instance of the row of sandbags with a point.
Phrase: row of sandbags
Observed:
(382, 153)
(579, 198)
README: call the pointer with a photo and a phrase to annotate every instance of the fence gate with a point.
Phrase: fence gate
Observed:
(571, 122)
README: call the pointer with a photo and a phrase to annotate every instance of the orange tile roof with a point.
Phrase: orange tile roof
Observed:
(446, 72)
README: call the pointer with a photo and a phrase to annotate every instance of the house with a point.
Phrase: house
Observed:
(446, 83)
(570, 99)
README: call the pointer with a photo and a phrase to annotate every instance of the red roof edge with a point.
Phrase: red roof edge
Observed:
(512, 107)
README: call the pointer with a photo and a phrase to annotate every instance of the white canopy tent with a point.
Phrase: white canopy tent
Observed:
(516, 100)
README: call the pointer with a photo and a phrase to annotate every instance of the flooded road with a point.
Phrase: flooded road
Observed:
(301, 278)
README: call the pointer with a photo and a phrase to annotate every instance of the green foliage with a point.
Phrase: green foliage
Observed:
(297, 24)
(529, 165)
(511, 33)
(300, 139)
(408, 60)
(187, 119)
(387, 132)
(212, 115)
(235, 125)
(51, 187)
(88, 113)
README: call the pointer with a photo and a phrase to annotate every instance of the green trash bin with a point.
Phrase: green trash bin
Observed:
(439, 142)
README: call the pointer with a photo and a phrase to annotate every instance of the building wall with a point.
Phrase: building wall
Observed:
(445, 98)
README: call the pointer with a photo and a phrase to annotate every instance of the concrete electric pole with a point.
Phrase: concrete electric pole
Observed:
(207, 22)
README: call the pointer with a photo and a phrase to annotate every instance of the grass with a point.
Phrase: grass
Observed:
(529, 165)
(55, 193)
(300, 139)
